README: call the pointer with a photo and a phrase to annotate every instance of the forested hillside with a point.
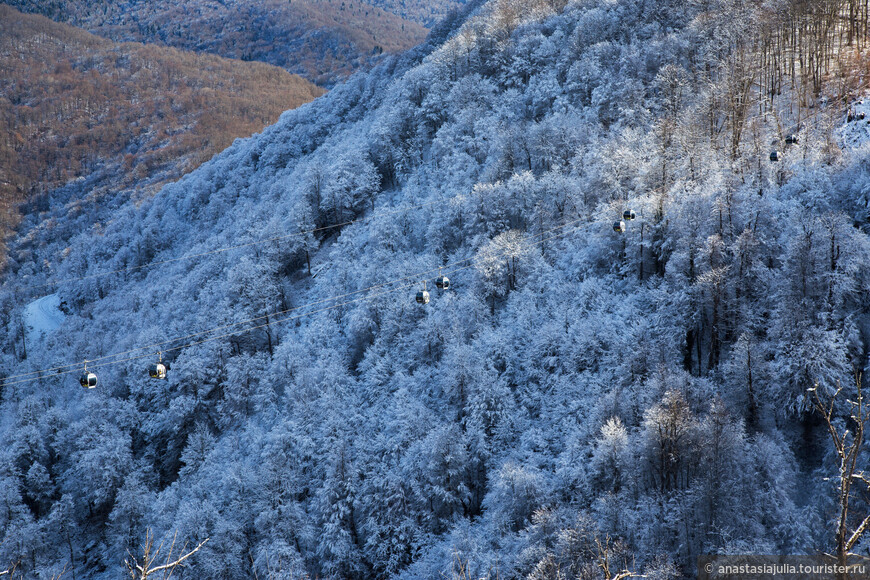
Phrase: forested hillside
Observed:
(425, 12)
(323, 40)
(587, 397)
(73, 106)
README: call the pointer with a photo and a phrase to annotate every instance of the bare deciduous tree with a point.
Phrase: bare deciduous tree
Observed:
(848, 442)
(603, 559)
(148, 567)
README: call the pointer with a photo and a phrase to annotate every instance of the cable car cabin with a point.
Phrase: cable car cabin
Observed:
(88, 380)
(791, 139)
(619, 227)
(157, 371)
(442, 282)
(422, 297)
(775, 155)
(628, 215)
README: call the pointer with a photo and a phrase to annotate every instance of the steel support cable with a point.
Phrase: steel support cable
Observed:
(414, 276)
(243, 321)
(59, 370)
(209, 339)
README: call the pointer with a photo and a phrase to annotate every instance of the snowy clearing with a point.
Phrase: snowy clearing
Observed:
(856, 131)
(42, 317)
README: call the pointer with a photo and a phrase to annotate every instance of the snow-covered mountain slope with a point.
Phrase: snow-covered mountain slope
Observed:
(574, 384)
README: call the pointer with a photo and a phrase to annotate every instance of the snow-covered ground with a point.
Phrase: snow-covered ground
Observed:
(856, 132)
(42, 317)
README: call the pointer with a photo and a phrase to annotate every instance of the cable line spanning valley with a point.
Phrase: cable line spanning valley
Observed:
(88, 378)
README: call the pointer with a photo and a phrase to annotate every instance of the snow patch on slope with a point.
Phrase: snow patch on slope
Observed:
(42, 317)
(855, 132)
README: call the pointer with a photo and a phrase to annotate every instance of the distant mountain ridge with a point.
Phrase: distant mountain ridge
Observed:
(323, 40)
(425, 12)
(73, 104)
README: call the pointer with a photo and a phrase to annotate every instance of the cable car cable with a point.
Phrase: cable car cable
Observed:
(241, 331)
(60, 368)
(415, 276)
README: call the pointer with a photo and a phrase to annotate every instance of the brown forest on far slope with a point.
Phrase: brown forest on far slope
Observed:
(324, 40)
(72, 102)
